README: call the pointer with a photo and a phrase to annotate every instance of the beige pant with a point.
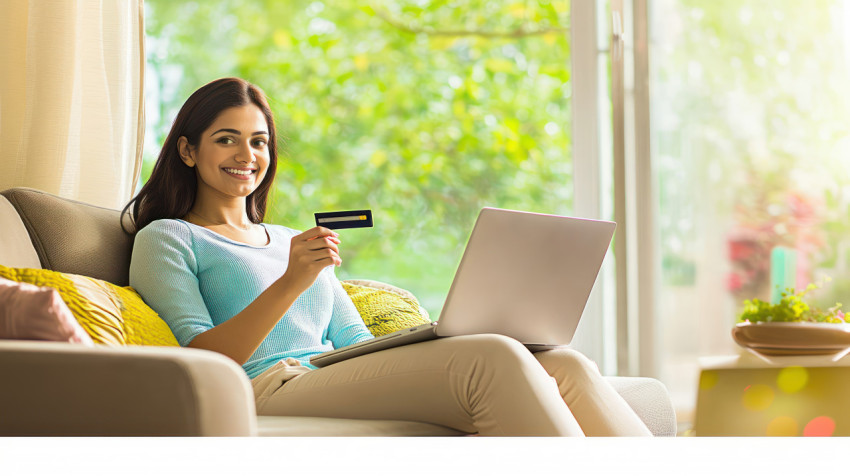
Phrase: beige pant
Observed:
(486, 384)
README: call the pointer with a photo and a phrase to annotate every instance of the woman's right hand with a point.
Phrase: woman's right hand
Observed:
(310, 253)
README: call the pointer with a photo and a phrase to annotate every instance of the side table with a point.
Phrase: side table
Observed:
(756, 395)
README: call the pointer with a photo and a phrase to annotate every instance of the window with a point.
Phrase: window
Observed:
(423, 111)
(750, 138)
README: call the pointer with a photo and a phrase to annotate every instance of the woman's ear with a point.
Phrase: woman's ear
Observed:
(186, 151)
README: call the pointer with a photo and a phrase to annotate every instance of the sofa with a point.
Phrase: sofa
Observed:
(65, 389)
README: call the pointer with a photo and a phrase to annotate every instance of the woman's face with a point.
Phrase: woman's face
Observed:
(232, 156)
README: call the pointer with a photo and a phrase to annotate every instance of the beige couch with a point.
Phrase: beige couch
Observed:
(66, 389)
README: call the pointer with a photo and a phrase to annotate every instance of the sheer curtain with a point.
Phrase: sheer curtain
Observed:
(71, 102)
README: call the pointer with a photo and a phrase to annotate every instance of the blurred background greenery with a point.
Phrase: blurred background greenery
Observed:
(422, 111)
(751, 138)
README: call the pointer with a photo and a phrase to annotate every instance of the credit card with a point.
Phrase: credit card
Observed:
(348, 219)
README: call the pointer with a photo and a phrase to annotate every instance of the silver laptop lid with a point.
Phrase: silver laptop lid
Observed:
(525, 275)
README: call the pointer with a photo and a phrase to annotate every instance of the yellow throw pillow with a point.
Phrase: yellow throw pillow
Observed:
(383, 310)
(110, 314)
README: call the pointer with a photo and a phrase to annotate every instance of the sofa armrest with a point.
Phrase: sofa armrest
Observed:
(58, 389)
(648, 398)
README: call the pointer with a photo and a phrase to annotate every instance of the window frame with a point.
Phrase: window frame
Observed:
(593, 137)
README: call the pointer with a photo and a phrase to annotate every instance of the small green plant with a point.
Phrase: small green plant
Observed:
(791, 308)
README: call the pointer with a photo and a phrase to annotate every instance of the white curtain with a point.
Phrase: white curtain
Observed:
(71, 97)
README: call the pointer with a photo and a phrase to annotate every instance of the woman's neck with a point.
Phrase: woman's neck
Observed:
(209, 213)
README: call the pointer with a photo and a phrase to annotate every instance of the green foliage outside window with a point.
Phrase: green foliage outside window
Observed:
(423, 111)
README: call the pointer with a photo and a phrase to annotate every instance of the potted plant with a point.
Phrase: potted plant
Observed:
(792, 327)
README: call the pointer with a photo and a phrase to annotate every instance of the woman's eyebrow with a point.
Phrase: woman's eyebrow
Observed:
(234, 131)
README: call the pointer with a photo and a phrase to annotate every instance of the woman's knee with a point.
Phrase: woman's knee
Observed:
(493, 355)
(494, 346)
(567, 362)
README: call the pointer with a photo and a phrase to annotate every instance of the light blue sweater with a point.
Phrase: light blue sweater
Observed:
(196, 279)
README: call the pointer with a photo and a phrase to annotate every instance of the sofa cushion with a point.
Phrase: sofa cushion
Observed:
(37, 313)
(73, 237)
(15, 246)
(318, 426)
(647, 397)
(384, 308)
(110, 314)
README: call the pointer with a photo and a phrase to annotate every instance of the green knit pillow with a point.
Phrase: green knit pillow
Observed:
(384, 308)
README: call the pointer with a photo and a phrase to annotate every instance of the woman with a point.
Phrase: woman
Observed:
(266, 296)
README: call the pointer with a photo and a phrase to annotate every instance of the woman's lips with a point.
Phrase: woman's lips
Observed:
(240, 173)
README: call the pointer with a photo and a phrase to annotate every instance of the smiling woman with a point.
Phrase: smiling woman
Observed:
(229, 166)
(209, 187)
(271, 305)
(204, 140)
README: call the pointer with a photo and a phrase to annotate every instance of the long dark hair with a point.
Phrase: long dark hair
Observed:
(170, 191)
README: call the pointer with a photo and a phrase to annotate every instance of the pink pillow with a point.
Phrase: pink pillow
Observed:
(37, 313)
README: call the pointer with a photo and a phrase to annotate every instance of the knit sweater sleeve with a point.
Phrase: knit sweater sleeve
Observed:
(163, 270)
(346, 326)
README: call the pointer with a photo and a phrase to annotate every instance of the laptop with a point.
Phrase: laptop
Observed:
(523, 275)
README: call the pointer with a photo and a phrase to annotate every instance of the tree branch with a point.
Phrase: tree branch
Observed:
(517, 33)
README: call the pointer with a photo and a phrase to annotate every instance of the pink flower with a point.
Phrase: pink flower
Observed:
(733, 282)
